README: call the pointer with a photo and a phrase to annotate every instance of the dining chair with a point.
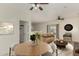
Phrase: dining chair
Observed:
(11, 49)
(54, 48)
(76, 49)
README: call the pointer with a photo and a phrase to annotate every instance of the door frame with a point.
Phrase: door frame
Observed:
(26, 30)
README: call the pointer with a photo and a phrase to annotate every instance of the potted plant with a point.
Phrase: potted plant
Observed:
(35, 38)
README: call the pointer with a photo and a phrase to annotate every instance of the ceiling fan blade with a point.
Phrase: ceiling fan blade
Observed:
(41, 8)
(31, 8)
(35, 4)
(42, 3)
(59, 18)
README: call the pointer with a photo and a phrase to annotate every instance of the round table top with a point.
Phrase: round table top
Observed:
(29, 49)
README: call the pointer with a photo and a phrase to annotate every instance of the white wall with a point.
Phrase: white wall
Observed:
(13, 13)
(75, 31)
(71, 20)
(6, 40)
(39, 27)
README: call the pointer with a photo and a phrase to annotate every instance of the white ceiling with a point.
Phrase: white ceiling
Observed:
(50, 12)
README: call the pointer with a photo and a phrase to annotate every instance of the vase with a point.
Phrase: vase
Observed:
(37, 41)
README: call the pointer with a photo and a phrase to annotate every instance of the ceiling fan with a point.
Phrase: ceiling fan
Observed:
(37, 6)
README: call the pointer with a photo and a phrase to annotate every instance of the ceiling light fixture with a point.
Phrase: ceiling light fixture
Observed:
(37, 6)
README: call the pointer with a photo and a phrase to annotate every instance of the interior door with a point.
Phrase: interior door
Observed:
(22, 34)
(22, 31)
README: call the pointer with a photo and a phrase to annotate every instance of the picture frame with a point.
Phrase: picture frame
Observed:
(6, 28)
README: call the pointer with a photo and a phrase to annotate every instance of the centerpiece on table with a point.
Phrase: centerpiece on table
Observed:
(61, 43)
(35, 38)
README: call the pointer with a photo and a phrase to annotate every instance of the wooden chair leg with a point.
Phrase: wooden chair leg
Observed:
(9, 51)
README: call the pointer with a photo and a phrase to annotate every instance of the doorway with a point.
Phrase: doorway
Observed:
(22, 31)
(53, 28)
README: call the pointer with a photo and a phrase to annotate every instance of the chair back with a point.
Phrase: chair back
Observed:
(48, 38)
(76, 49)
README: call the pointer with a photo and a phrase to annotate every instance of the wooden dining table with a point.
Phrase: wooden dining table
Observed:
(30, 49)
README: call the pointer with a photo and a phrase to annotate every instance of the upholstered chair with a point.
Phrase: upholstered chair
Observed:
(49, 39)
